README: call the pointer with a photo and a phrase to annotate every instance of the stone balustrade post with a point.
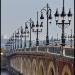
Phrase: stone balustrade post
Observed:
(63, 51)
(37, 48)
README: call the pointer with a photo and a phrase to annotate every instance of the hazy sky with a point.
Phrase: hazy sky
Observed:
(14, 13)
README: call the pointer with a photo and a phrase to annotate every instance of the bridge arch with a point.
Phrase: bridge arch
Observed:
(51, 69)
(28, 66)
(41, 68)
(66, 70)
(34, 67)
(24, 66)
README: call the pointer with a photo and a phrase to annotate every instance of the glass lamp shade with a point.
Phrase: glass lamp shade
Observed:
(69, 18)
(50, 17)
(50, 20)
(63, 14)
(56, 15)
(63, 18)
(69, 15)
(37, 25)
(41, 25)
(33, 25)
(42, 17)
(56, 18)
(26, 27)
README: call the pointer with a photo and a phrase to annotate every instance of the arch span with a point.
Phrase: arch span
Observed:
(34, 67)
(51, 69)
(41, 68)
(66, 70)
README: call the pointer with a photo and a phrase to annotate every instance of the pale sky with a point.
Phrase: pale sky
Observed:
(14, 13)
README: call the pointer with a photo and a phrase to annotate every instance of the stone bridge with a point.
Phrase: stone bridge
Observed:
(42, 60)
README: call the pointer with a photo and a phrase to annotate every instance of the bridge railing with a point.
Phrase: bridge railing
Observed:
(42, 49)
(33, 49)
(69, 52)
(45, 49)
(55, 49)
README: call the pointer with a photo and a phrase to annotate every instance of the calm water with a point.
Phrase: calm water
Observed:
(5, 73)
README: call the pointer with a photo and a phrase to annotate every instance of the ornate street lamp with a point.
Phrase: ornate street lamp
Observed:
(12, 39)
(63, 24)
(71, 39)
(21, 36)
(17, 36)
(49, 17)
(37, 29)
(26, 32)
(30, 22)
(9, 44)
(15, 40)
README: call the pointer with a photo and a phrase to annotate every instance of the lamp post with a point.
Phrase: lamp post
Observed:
(49, 17)
(30, 22)
(37, 30)
(15, 40)
(17, 36)
(12, 41)
(21, 35)
(71, 39)
(63, 24)
(25, 32)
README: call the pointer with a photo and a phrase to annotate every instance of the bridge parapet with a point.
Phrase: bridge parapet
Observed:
(68, 52)
(55, 49)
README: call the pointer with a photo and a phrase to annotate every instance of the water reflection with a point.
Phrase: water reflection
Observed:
(5, 73)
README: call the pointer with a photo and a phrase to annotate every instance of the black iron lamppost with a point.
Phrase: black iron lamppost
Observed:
(17, 36)
(49, 17)
(12, 41)
(37, 30)
(63, 24)
(30, 22)
(21, 36)
(25, 32)
(15, 40)
(71, 39)
(8, 45)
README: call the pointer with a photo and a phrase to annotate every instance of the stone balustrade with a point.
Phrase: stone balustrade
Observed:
(44, 49)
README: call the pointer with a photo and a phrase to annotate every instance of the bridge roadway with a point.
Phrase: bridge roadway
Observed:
(42, 60)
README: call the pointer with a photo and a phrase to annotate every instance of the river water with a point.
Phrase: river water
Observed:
(5, 73)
